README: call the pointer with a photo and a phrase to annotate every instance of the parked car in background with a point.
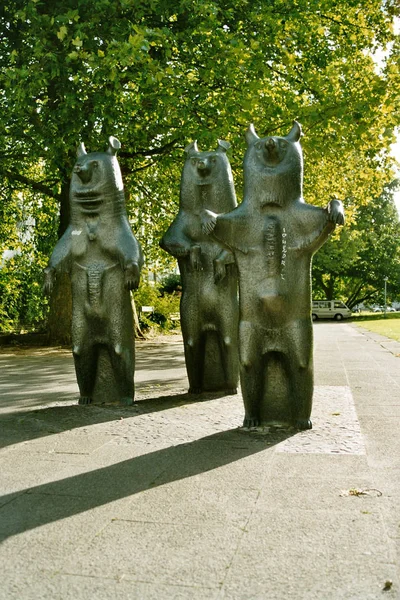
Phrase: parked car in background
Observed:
(330, 309)
(377, 309)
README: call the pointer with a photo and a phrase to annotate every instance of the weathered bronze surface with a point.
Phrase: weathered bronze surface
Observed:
(103, 259)
(273, 235)
(209, 304)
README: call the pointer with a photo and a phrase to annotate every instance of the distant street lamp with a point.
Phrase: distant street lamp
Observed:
(384, 307)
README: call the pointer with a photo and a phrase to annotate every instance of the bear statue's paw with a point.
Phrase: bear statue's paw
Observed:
(49, 278)
(303, 424)
(195, 390)
(219, 271)
(250, 422)
(231, 391)
(127, 401)
(195, 263)
(208, 221)
(85, 400)
(336, 212)
(178, 250)
(132, 276)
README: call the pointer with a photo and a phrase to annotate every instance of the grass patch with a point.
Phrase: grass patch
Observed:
(389, 326)
(371, 316)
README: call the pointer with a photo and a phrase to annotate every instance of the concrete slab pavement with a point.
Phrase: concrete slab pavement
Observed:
(171, 499)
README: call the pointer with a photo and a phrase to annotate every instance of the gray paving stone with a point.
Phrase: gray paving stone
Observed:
(319, 493)
(336, 429)
(323, 466)
(170, 498)
(176, 553)
(194, 500)
(299, 555)
(57, 586)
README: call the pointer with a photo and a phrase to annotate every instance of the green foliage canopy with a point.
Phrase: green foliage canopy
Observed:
(159, 74)
(354, 265)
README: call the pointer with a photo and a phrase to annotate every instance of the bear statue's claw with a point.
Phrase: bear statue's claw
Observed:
(193, 390)
(231, 391)
(303, 424)
(85, 400)
(251, 422)
(127, 401)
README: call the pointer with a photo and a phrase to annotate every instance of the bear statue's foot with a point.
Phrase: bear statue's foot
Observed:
(302, 424)
(230, 391)
(85, 400)
(251, 422)
(195, 390)
(127, 401)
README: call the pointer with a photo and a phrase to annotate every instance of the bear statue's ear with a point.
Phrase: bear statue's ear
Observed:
(223, 146)
(191, 148)
(113, 145)
(81, 151)
(251, 135)
(295, 133)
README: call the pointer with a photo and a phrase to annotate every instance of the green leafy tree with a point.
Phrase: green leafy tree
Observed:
(355, 263)
(159, 74)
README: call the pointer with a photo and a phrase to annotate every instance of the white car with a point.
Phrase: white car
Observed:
(330, 309)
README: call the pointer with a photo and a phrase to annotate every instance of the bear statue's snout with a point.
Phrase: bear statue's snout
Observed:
(270, 144)
(271, 151)
(84, 172)
(203, 167)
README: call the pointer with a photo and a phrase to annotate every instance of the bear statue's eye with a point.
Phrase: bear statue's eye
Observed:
(283, 144)
(95, 164)
(213, 160)
(259, 145)
(193, 161)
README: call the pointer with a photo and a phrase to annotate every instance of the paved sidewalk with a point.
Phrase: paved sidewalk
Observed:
(170, 499)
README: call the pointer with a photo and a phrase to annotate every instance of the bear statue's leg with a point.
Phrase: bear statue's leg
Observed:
(120, 337)
(276, 405)
(84, 350)
(229, 363)
(85, 359)
(193, 342)
(302, 383)
(122, 361)
(301, 373)
(251, 373)
(229, 350)
(194, 357)
(194, 346)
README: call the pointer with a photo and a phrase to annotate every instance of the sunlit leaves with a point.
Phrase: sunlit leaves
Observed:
(353, 265)
(160, 73)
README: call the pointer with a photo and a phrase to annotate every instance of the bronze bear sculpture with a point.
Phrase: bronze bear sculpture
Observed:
(209, 304)
(103, 258)
(273, 235)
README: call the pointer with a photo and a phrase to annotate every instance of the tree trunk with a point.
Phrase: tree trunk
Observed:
(138, 332)
(59, 321)
(60, 315)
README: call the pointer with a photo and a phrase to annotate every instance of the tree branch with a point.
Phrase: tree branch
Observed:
(34, 185)
(150, 151)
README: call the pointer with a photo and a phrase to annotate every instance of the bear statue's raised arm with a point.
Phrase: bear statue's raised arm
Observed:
(60, 260)
(316, 224)
(175, 241)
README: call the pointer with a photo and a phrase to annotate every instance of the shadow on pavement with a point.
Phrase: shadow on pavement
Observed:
(47, 503)
(27, 425)
(33, 380)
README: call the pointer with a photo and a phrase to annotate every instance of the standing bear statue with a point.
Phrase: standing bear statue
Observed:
(209, 304)
(103, 258)
(273, 235)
